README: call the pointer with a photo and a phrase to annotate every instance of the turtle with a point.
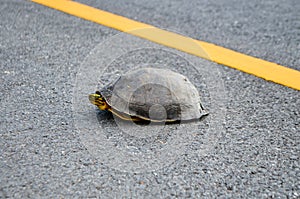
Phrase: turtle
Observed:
(150, 94)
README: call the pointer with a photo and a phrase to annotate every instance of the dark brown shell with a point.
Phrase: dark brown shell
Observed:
(154, 94)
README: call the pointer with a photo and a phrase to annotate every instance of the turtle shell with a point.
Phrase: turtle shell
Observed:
(154, 94)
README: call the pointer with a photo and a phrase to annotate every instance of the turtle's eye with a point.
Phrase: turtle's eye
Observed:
(98, 92)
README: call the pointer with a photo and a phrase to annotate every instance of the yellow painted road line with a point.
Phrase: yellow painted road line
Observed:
(258, 67)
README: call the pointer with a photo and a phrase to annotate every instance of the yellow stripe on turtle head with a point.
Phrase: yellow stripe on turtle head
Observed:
(98, 100)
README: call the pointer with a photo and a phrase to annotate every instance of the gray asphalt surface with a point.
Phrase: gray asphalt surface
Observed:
(43, 154)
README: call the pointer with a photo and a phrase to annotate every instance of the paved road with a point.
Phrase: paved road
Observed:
(249, 147)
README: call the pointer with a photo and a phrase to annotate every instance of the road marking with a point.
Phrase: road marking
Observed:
(255, 66)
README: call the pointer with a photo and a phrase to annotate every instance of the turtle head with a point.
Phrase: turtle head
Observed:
(98, 100)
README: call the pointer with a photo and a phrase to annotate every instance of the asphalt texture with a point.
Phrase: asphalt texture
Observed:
(248, 147)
